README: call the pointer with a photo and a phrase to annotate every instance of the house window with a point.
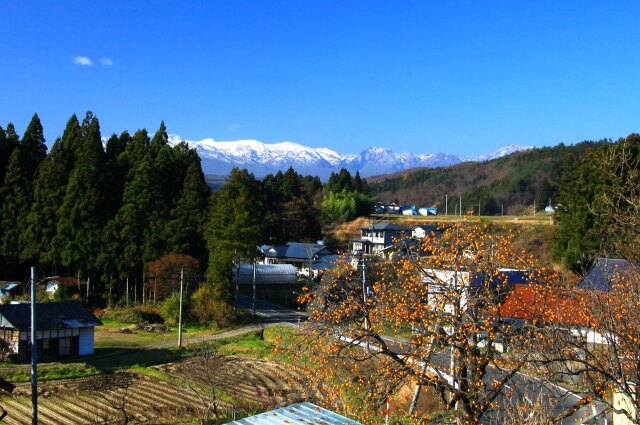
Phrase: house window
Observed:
(65, 347)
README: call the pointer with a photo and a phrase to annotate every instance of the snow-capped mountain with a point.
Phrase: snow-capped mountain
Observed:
(503, 151)
(263, 158)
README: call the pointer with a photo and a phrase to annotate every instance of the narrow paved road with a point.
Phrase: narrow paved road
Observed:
(272, 313)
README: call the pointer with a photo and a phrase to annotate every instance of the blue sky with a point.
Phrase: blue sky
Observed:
(415, 76)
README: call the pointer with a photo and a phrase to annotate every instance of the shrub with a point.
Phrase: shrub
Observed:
(134, 314)
(207, 306)
(170, 308)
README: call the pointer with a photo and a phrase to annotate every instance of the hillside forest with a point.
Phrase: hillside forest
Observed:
(105, 209)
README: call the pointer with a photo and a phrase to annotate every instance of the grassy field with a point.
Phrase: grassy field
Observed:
(115, 350)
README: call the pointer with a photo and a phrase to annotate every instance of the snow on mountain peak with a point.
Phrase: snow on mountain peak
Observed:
(264, 158)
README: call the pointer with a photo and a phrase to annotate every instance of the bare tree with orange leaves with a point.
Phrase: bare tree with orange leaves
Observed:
(595, 340)
(433, 320)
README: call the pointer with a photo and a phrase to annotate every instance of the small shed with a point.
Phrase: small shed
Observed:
(63, 329)
(297, 414)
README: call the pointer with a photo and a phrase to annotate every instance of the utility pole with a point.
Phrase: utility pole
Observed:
(254, 289)
(180, 310)
(143, 286)
(364, 298)
(446, 205)
(34, 351)
(460, 205)
(236, 262)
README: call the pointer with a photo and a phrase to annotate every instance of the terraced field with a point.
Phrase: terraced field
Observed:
(253, 384)
(99, 400)
(244, 384)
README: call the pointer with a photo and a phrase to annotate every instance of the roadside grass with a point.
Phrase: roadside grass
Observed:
(110, 335)
(249, 345)
(139, 351)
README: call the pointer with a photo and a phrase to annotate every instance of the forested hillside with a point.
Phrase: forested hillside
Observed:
(102, 212)
(515, 181)
(106, 211)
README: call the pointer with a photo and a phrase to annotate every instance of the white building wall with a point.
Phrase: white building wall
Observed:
(86, 341)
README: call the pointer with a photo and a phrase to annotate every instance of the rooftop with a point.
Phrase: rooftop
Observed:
(297, 414)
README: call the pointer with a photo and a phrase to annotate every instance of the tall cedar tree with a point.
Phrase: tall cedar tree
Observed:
(579, 231)
(17, 192)
(186, 227)
(82, 214)
(8, 142)
(289, 204)
(234, 227)
(49, 191)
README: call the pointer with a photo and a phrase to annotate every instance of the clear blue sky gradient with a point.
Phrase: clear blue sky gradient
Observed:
(415, 76)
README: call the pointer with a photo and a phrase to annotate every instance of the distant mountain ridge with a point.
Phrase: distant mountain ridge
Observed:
(265, 158)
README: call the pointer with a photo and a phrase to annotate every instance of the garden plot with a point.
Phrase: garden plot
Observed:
(248, 384)
(101, 399)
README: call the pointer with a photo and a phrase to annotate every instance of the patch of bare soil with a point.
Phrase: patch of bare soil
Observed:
(255, 384)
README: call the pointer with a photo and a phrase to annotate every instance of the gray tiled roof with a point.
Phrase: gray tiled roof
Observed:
(62, 315)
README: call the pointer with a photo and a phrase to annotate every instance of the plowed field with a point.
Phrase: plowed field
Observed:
(248, 385)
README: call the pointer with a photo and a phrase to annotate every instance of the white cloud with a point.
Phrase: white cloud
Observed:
(82, 61)
(233, 127)
(106, 61)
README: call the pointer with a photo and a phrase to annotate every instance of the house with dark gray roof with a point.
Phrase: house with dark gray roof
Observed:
(605, 272)
(302, 256)
(378, 238)
(63, 329)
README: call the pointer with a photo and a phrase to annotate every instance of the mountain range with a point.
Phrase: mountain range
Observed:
(218, 158)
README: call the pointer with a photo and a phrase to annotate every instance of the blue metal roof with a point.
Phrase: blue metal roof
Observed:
(297, 414)
(605, 272)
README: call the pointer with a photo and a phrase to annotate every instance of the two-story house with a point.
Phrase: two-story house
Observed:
(377, 238)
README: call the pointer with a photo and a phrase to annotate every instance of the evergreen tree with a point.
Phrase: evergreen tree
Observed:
(15, 195)
(579, 231)
(49, 191)
(8, 142)
(186, 227)
(33, 146)
(137, 222)
(234, 227)
(82, 213)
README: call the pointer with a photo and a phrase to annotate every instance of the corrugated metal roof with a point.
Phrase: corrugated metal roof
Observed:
(297, 414)
(266, 273)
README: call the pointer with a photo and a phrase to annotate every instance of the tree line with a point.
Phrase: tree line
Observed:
(513, 183)
(105, 209)
(598, 203)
